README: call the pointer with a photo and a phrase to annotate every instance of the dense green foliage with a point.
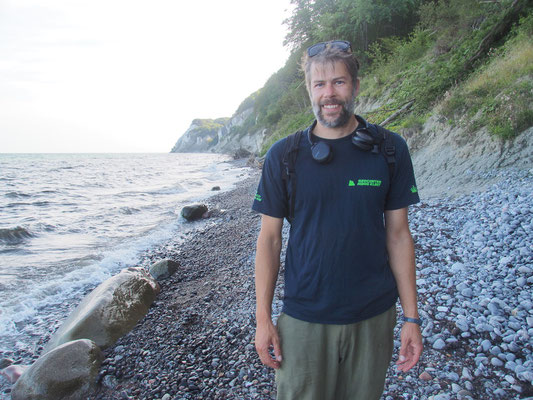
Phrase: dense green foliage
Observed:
(208, 125)
(208, 128)
(499, 94)
(359, 21)
(471, 59)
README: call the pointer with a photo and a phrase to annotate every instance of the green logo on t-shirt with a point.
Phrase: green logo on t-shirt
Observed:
(364, 182)
(368, 182)
(414, 189)
(258, 197)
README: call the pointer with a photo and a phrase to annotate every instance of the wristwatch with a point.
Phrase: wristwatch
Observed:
(417, 321)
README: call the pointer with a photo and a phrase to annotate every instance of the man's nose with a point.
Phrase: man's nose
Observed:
(330, 90)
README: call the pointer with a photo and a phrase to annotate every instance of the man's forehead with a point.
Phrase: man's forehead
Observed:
(328, 69)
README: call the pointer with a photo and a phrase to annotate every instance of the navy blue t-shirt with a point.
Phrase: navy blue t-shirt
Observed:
(336, 267)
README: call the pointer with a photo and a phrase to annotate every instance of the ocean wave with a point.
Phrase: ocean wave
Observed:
(166, 190)
(43, 227)
(14, 235)
(18, 204)
(40, 203)
(17, 195)
(128, 210)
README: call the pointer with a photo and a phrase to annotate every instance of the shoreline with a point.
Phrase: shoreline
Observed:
(196, 341)
(63, 238)
(196, 334)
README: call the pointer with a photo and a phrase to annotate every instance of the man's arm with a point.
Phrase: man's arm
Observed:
(401, 250)
(267, 262)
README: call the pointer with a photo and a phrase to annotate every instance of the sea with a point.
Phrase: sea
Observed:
(70, 221)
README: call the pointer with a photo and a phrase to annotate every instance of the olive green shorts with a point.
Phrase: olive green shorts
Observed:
(334, 362)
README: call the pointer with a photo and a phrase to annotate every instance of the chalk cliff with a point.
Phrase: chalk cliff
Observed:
(222, 135)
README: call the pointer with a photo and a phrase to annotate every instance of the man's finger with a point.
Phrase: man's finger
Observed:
(409, 356)
(266, 359)
(277, 351)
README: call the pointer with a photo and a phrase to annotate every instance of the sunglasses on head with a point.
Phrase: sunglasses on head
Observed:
(318, 48)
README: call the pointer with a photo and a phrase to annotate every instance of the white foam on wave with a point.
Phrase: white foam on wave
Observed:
(29, 308)
(42, 304)
(45, 295)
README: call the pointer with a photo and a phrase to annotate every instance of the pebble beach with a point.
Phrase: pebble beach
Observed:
(474, 270)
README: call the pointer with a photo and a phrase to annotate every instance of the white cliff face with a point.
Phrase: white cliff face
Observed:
(226, 138)
(199, 138)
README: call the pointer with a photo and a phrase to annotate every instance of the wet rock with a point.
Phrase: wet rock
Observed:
(110, 310)
(241, 153)
(163, 269)
(13, 372)
(67, 372)
(6, 362)
(193, 212)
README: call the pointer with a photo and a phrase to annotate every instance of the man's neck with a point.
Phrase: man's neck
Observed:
(335, 133)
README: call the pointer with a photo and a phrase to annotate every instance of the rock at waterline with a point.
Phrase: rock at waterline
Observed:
(163, 269)
(193, 212)
(6, 362)
(13, 372)
(109, 311)
(67, 372)
(215, 188)
(241, 153)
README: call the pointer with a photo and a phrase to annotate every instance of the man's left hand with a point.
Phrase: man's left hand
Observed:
(411, 347)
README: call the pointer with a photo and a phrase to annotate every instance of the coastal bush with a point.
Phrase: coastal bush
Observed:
(431, 65)
(498, 95)
(461, 55)
(290, 123)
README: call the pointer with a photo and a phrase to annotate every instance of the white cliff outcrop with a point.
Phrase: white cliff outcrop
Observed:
(222, 135)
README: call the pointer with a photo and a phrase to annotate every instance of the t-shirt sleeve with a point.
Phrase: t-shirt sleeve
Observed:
(403, 190)
(271, 196)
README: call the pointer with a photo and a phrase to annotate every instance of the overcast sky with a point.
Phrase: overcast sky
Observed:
(129, 75)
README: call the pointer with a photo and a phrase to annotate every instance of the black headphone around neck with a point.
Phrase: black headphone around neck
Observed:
(363, 138)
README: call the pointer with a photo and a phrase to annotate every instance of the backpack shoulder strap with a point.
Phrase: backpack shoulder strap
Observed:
(288, 173)
(387, 149)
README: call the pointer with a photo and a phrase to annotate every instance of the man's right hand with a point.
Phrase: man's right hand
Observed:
(266, 337)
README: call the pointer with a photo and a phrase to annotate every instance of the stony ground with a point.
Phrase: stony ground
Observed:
(475, 280)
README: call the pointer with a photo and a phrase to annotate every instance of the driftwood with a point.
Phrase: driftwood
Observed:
(498, 31)
(403, 108)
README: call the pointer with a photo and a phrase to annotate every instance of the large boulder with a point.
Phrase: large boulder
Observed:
(241, 153)
(193, 212)
(109, 311)
(68, 372)
(164, 269)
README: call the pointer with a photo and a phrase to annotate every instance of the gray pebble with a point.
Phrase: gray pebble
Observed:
(439, 344)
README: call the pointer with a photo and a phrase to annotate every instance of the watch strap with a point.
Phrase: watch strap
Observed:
(417, 321)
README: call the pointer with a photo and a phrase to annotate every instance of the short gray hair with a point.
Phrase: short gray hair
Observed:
(330, 54)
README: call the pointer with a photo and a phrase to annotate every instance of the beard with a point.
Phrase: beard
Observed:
(347, 112)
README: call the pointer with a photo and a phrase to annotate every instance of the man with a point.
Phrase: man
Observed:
(350, 252)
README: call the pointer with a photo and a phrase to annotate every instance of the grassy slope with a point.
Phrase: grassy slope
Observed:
(431, 68)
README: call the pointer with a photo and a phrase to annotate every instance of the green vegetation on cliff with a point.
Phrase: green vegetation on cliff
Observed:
(208, 126)
(469, 60)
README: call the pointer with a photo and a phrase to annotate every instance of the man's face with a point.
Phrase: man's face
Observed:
(332, 94)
